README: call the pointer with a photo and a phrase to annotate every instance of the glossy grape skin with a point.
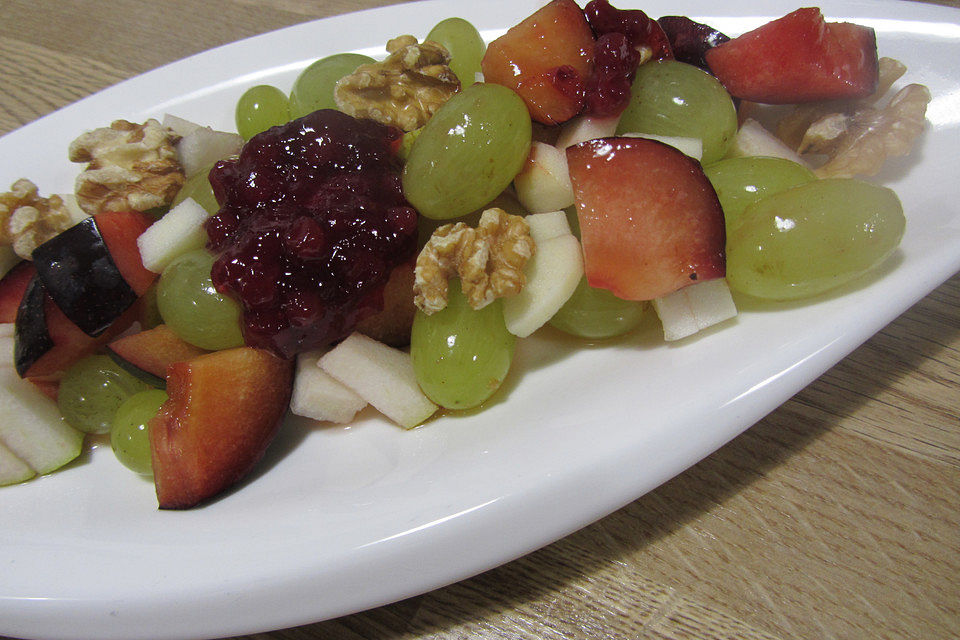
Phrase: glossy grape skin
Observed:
(740, 182)
(129, 435)
(468, 152)
(465, 45)
(259, 108)
(677, 99)
(313, 88)
(596, 314)
(461, 355)
(812, 238)
(197, 186)
(192, 307)
(92, 389)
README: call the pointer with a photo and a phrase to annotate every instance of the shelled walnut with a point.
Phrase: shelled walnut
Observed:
(405, 89)
(27, 220)
(489, 261)
(858, 136)
(130, 166)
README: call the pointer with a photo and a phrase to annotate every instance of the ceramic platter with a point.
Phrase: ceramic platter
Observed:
(340, 519)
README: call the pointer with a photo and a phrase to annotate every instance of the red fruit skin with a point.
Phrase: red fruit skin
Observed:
(798, 58)
(12, 287)
(224, 409)
(152, 351)
(650, 221)
(120, 230)
(546, 59)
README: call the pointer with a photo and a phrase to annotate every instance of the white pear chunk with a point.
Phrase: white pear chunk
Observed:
(753, 139)
(180, 126)
(550, 224)
(318, 395)
(583, 128)
(552, 274)
(12, 468)
(692, 147)
(177, 232)
(543, 183)
(32, 427)
(381, 375)
(8, 330)
(694, 308)
(204, 146)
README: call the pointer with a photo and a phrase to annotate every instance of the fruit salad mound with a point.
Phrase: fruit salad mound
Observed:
(594, 163)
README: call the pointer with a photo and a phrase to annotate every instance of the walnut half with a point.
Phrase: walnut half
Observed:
(489, 261)
(28, 220)
(404, 90)
(130, 166)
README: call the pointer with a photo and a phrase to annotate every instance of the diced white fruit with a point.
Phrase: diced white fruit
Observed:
(550, 224)
(753, 139)
(381, 375)
(178, 125)
(552, 275)
(543, 183)
(694, 308)
(32, 427)
(204, 146)
(12, 468)
(8, 259)
(583, 128)
(7, 329)
(318, 395)
(177, 232)
(692, 147)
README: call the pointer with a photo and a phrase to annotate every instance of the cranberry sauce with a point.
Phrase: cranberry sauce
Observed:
(620, 33)
(312, 221)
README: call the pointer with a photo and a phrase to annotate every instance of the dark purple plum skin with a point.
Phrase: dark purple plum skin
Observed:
(690, 40)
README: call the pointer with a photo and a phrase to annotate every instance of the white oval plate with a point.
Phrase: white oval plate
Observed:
(337, 519)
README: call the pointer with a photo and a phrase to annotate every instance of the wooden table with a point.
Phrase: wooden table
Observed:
(834, 517)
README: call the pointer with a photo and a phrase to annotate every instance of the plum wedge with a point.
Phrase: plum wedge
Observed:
(223, 411)
(650, 221)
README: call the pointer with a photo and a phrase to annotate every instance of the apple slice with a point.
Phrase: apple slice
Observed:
(180, 230)
(381, 375)
(203, 146)
(12, 468)
(753, 139)
(650, 221)
(32, 428)
(543, 183)
(691, 309)
(553, 274)
(319, 396)
(798, 58)
(693, 147)
(586, 127)
(546, 59)
(223, 411)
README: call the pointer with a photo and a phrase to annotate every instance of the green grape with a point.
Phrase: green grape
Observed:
(129, 435)
(468, 152)
(260, 108)
(672, 98)
(812, 238)
(465, 45)
(461, 355)
(197, 186)
(192, 307)
(595, 314)
(313, 88)
(150, 312)
(91, 391)
(739, 182)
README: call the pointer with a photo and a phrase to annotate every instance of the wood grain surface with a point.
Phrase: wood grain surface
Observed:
(834, 517)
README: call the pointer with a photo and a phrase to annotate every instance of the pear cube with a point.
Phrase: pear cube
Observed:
(319, 396)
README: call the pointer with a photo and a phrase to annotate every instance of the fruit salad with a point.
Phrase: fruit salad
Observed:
(384, 233)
